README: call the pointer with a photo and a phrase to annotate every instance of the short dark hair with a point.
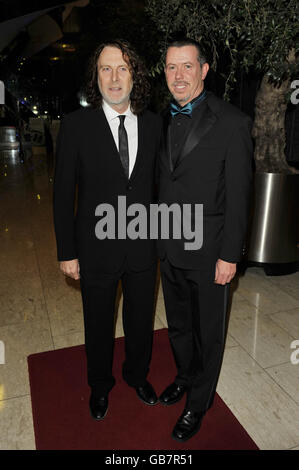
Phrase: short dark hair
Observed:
(140, 93)
(201, 56)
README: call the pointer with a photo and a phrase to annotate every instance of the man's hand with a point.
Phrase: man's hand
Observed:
(71, 268)
(224, 272)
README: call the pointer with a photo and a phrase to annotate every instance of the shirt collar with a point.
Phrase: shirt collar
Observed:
(112, 114)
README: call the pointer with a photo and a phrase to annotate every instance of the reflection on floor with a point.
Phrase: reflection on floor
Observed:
(41, 310)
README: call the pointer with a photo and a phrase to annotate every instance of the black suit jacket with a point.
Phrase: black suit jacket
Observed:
(87, 158)
(214, 168)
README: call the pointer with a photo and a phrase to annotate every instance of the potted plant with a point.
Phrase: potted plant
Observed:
(256, 36)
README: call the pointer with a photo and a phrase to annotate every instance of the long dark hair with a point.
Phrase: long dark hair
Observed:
(141, 89)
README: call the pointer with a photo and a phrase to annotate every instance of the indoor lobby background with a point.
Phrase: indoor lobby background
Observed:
(41, 310)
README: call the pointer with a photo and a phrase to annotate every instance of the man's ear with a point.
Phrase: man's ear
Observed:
(204, 70)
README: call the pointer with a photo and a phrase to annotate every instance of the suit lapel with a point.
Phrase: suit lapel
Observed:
(165, 143)
(107, 134)
(199, 129)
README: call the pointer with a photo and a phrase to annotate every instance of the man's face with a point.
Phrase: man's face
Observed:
(184, 74)
(114, 78)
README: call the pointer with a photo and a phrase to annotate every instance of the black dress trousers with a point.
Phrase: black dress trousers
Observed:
(196, 314)
(99, 296)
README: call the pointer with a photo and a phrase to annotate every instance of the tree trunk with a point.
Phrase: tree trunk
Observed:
(269, 128)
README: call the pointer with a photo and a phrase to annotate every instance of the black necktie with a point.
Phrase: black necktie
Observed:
(123, 145)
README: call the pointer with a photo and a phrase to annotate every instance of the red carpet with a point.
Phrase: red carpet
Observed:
(62, 421)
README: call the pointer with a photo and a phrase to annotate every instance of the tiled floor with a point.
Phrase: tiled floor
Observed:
(40, 310)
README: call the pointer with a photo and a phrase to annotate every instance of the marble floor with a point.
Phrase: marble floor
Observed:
(40, 310)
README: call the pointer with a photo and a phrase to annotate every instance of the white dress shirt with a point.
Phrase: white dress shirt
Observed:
(131, 125)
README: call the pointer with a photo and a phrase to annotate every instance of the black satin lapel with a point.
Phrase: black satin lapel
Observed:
(200, 127)
(165, 144)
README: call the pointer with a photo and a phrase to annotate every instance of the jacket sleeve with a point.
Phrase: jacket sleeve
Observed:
(238, 180)
(65, 191)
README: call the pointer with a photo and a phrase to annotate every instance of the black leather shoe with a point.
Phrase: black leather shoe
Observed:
(187, 425)
(172, 394)
(98, 407)
(147, 394)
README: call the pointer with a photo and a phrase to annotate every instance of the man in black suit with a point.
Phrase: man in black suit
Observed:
(108, 150)
(206, 158)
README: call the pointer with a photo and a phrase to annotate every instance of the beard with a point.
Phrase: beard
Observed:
(115, 101)
(180, 98)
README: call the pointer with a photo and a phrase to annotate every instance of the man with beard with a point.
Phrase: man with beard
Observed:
(108, 150)
(206, 159)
